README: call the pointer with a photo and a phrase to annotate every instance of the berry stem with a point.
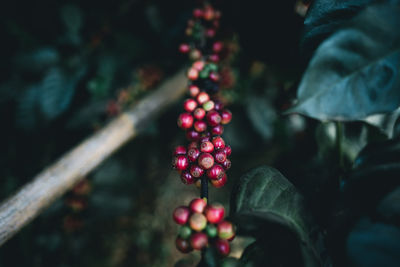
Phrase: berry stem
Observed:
(204, 187)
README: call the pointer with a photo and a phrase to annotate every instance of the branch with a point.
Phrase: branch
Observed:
(54, 181)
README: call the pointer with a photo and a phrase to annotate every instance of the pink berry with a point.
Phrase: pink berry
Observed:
(215, 213)
(187, 178)
(225, 230)
(198, 205)
(214, 58)
(219, 155)
(193, 154)
(210, 32)
(200, 126)
(192, 145)
(227, 150)
(199, 113)
(226, 116)
(218, 105)
(196, 171)
(198, 65)
(184, 48)
(202, 98)
(197, 13)
(180, 150)
(217, 46)
(206, 161)
(192, 135)
(216, 172)
(222, 247)
(194, 90)
(218, 142)
(213, 118)
(220, 182)
(217, 130)
(227, 164)
(193, 74)
(207, 147)
(208, 13)
(185, 121)
(181, 215)
(190, 105)
(180, 162)
(214, 76)
(199, 241)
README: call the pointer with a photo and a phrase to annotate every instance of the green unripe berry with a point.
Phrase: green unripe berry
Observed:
(211, 230)
(185, 232)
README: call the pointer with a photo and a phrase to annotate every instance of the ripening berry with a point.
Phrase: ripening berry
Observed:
(194, 90)
(190, 105)
(184, 48)
(208, 13)
(197, 13)
(206, 161)
(225, 230)
(180, 150)
(214, 76)
(217, 130)
(211, 230)
(199, 241)
(226, 116)
(187, 178)
(207, 147)
(219, 156)
(214, 58)
(198, 65)
(196, 171)
(181, 215)
(227, 150)
(199, 113)
(193, 154)
(220, 182)
(217, 46)
(209, 105)
(195, 54)
(192, 135)
(215, 213)
(198, 205)
(213, 118)
(185, 232)
(216, 172)
(185, 121)
(222, 247)
(227, 164)
(202, 98)
(200, 126)
(193, 74)
(180, 162)
(197, 222)
(210, 32)
(218, 142)
(183, 245)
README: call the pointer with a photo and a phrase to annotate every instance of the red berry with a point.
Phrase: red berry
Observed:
(197, 13)
(210, 33)
(219, 155)
(208, 13)
(214, 76)
(198, 205)
(184, 48)
(218, 142)
(189, 105)
(204, 138)
(226, 116)
(183, 245)
(181, 215)
(197, 222)
(194, 90)
(206, 161)
(218, 105)
(196, 171)
(214, 58)
(202, 98)
(220, 182)
(187, 178)
(213, 118)
(198, 65)
(217, 46)
(185, 121)
(192, 135)
(215, 172)
(215, 213)
(180, 162)
(193, 74)
(200, 126)
(199, 241)
(207, 147)
(193, 154)
(217, 130)
(222, 247)
(192, 145)
(199, 113)
(180, 150)
(225, 230)
(227, 164)
(227, 150)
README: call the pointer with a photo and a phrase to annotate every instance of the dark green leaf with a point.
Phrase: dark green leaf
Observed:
(355, 72)
(265, 203)
(262, 115)
(389, 207)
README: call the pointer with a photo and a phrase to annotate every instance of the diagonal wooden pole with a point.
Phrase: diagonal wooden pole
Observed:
(54, 181)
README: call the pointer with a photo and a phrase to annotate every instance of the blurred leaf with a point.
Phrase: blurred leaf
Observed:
(389, 207)
(373, 244)
(354, 73)
(262, 116)
(71, 16)
(396, 128)
(210, 258)
(266, 203)
(384, 122)
(101, 84)
(37, 60)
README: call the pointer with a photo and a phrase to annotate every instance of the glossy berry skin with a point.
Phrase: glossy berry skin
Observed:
(202, 98)
(192, 145)
(215, 172)
(213, 118)
(194, 90)
(227, 150)
(183, 245)
(200, 126)
(209, 105)
(181, 215)
(187, 178)
(206, 147)
(222, 246)
(197, 222)
(219, 182)
(225, 230)
(185, 232)
(214, 76)
(196, 171)
(215, 213)
(198, 65)
(218, 106)
(219, 156)
(193, 154)
(192, 135)
(190, 105)
(227, 164)
(197, 205)
(184, 48)
(180, 162)
(198, 241)
(180, 150)
(199, 113)
(226, 116)
(211, 230)
(185, 121)
(206, 161)
(217, 130)
(218, 142)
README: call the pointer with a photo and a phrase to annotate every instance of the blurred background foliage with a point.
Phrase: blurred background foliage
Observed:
(68, 67)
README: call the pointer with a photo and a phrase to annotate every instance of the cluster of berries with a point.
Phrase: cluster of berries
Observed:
(203, 225)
